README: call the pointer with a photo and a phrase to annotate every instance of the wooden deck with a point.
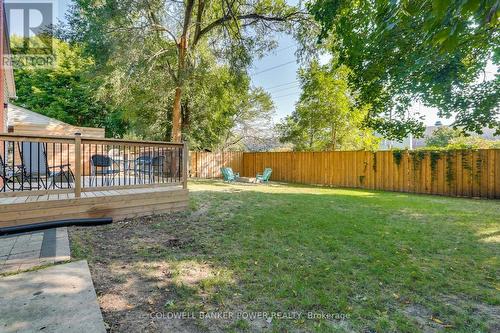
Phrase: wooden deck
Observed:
(118, 204)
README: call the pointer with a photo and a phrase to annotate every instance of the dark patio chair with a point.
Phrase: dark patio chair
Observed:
(10, 175)
(36, 167)
(148, 167)
(104, 166)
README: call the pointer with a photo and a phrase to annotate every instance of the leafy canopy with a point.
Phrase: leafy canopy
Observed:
(159, 56)
(442, 136)
(66, 90)
(434, 52)
(452, 138)
(325, 117)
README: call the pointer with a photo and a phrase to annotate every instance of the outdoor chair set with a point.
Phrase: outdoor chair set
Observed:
(107, 167)
(34, 170)
(230, 176)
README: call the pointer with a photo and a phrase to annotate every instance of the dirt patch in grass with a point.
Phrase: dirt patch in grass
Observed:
(143, 274)
(423, 317)
(429, 322)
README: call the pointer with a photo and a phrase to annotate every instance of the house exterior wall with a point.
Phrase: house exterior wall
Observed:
(3, 111)
(7, 84)
(386, 144)
(3, 86)
(5, 99)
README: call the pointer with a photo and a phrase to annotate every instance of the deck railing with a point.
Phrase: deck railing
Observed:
(67, 164)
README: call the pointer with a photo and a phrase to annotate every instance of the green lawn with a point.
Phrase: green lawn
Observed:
(384, 261)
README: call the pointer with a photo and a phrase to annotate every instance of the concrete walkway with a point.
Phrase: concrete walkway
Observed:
(28, 250)
(60, 298)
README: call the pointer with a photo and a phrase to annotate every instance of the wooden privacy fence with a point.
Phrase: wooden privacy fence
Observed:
(464, 173)
(208, 164)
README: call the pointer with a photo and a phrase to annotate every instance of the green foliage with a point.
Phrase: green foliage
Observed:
(442, 136)
(325, 117)
(479, 167)
(140, 54)
(213, 105)
(435, 156)
(466, 142)
(473, 142)
(67, 91)
(221, 111)
(398, 156)
(450, 172)
(466, 160)
(406, 51)
(417, 157)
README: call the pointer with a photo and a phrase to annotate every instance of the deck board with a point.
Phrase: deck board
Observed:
(6, 201)
(116, 203)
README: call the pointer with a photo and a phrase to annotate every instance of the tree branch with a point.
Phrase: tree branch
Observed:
(156, 23)
(169, 67)
(255, 17)
(199, 16)
(187, 17)
(158, 27)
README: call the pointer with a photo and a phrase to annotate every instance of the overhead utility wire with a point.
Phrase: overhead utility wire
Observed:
(274, 67)
(284, 48)
(281, 85)
(285, 95)
(283, 89)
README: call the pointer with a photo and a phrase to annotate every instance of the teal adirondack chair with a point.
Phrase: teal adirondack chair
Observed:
(229, 175)
(264, 177)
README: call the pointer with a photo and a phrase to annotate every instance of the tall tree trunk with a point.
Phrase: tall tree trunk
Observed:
(181, 72)
(334, 138)
(176, 116)
(176, 112)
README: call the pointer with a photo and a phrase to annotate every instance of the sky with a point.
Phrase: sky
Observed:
(281, 77)
(276, 72)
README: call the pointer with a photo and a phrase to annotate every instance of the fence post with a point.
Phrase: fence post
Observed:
(78, 165)
(185, 159)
